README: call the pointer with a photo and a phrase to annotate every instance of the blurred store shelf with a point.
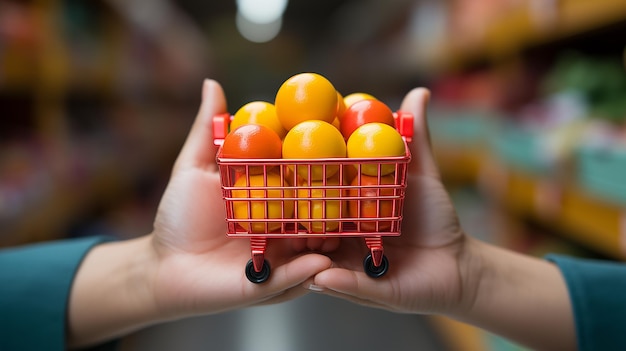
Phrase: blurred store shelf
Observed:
(512, 27)
(95, 172)
(533, 185)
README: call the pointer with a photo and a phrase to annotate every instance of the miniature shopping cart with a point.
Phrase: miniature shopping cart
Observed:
(260, 208)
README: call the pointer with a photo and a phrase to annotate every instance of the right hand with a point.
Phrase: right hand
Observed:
(425, 273)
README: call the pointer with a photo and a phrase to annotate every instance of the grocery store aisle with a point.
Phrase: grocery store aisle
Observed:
(311, 323)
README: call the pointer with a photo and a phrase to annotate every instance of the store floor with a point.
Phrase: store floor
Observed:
(311, 323)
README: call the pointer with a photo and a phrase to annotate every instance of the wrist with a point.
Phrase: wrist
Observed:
(518, 296)
(471, 266)
(112, 293)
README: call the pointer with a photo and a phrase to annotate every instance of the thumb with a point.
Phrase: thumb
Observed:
(199, 150)
(416, 102)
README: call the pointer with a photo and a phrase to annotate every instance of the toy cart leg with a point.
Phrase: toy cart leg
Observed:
(375, 263)
(258, 269)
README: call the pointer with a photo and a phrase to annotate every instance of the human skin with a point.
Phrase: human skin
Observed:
(436, 268)
(187, 265)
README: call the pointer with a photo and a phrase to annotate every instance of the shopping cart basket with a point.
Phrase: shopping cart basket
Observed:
(267, 199)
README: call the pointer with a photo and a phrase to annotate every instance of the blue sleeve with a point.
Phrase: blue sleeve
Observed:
(35, 282)
(597, 290)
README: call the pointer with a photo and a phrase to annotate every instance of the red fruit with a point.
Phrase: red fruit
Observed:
(362, 112)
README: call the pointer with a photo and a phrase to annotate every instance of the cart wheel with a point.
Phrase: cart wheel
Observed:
(257, 277)
(372, 270)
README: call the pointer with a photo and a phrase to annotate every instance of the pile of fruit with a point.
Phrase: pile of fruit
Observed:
(311, 120)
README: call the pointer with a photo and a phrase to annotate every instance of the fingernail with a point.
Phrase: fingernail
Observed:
(315, 288)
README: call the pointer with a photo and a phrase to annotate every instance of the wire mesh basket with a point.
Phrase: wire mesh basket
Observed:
(286, 198)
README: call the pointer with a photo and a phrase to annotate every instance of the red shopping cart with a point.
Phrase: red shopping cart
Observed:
(268, 199)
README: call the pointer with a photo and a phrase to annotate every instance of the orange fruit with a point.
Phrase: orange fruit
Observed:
(311, 140)
(303, 97)
(349, 173)
(258, 112)
(375, 140)
(322, 208)
(336, 123)
(362, 112)
(245, 205)
(341, 106)
(367, 186)
(252, 141)
(350, 99)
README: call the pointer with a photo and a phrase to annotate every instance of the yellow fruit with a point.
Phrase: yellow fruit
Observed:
(341, 106)
(258, 112)
(320, 209)
(304, 97)
(336, 123)
(313, 140)
(248, 208)
(354, 97)
(375, 140)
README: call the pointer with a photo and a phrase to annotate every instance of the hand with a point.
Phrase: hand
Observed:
(424, 273)
(187, 265)
(201, 269)
(436, 268)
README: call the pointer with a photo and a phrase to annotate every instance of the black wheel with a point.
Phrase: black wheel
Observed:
(257, 277)
(372, 270)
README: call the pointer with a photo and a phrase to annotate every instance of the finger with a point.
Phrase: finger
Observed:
(291, 275)
(416, 102)
(199, 150)
(351, 298)
(287, 295)
(353, 285)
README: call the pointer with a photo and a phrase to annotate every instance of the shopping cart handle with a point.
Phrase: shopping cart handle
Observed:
(404, 124)
(220, 128)
(403, 120)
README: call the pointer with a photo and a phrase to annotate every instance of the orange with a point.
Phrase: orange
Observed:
(375, 140)
(362, 112)
(303, 97)
(249, 208)
(252, 141)
(336, 123)
(322, 208)
(349, 172)
(341, 106)
(369, 187)
(258, 112)
(312, 140)
(341, 109)
(350, 99)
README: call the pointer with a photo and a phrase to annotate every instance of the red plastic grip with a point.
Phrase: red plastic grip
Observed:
(220, 128)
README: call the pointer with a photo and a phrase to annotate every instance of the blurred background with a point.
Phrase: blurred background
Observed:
(527, 121)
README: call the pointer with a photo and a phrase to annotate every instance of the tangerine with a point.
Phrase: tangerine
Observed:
(362, 112)
(350, 99)
(364, 187)
(303, 97)
(322, 208)
(375, 140)
(252, 141)
(258, 112)
(246, 207)
(311, 140)
(341, 106)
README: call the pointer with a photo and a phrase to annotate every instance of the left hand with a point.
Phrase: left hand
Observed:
(188, 265)
(200, 269)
